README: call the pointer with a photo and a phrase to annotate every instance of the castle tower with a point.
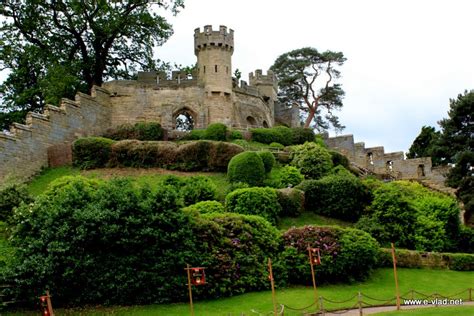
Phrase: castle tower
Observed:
(267, 85)
(214, 58)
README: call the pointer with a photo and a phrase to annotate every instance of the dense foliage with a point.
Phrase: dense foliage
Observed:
(254, 201)
(216, 131)
(246, 167)
(268, 160)
(91, 152)
(312, 160)
(11, 196)
(291, 201)
(425, 144)
(139, 131)
(279, 134)
(413, 217)
(196, 189)
(205, 207)
(285, 177)
(340, 196)
(346, 254)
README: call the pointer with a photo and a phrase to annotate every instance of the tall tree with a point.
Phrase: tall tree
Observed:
(55, 48)
(307, 78)
(425, 144)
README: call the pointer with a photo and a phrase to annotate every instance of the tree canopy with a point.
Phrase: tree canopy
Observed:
(55, 48)
(307, 78)
(425, 144)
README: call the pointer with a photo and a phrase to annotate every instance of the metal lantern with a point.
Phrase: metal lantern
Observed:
(198, 277)
(314, 256)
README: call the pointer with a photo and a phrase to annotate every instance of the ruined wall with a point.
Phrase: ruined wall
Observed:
(250, 111)
(24, 150)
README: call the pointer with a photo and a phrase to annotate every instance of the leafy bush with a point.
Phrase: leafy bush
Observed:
(339, 159)
(139, 131)
(11, 196)
(220, 155)
(289, 176)
(205, 207)
(461, 261)
(96, 242)
(235, 135)
(234, 248)
(246, 167)
(268, 160)
(134, 153)
(195, 134)
(254, 201)
(216, 131)
(338, 196)
(276, 145)
(205, 155)
(346, 254)
(312, 160)
(291, 202)
(279, 134)
(91, 152)
(301, 135)
(197, 189)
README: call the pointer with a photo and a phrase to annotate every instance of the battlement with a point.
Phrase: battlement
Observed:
(258, 78)
(209, 38)
(161, 79)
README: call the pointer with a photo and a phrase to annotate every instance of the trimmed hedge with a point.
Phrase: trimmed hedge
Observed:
(246, 167)
(312, 160)
(196, 189)
(254, 201)
(268, 160)
(279, 134)
(91, 152)
(235, 135)
(291, 202)
(216, 131)
(139, 131)
(301, 135)
(205, 207)
(134, 153)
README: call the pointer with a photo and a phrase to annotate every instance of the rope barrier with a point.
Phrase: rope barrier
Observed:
(298, 309)
(339, 302)
(376, 299)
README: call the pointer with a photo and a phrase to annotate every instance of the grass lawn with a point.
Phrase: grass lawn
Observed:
(434, 311)
(310, 218)
(380, 285)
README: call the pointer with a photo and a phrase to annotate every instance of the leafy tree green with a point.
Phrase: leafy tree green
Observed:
(425, 144)
(307, 78)
(55, 48)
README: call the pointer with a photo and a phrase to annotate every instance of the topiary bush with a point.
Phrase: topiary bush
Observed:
(268, 160)
(246, 167)
(216, 131)
(346, 254)
(96, 242)
(277, 145)
(91, 152)
(289, 176)
(139, 131)
(340, 196)
(205, 207)
(279, 134)
(339, 159)
(134, 153)
(312, 160)
(220, 155)
(235, 135)
(291, 202)
(197, 189)
(301, 135)
(254, 201)
(11, 196)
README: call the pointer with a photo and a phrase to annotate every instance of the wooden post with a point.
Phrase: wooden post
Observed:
(188, 269)
(321, 304)
(314, 279)
(50, 305)
(273, 287)
(397, 291)
(470, 294)
(359, 303)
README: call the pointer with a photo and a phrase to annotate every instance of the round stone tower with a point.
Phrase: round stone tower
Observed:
(214, 58)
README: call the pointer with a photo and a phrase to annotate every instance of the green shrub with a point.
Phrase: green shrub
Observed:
(197, 189)
(346, 254)
(134, 153)
(339, 196)
(235, 135)
(139, 131)
(289, 176)
(97, 242)
(254, 201)
(205, 207)
(246, 167)
(11, 196)
(301, 135)
(220, 155)
(466, 239)
(216, 131)
(91, 152)
(268, 160)
(312, 160)
(193, 156)
(195, 134)
(461, 261)
(291, 202)
(276, 145)
(279, 134)
(339, 159)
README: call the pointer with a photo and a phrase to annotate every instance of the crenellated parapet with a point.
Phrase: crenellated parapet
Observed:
(24, 148)
(213, 39)
(257, 79)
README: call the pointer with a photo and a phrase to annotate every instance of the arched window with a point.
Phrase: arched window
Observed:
(251, 121)
(265, 124)
(184, 120)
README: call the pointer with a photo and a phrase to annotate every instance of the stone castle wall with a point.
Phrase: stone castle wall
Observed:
(24, 150)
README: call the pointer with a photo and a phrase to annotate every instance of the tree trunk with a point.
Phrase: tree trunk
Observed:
(310, 118)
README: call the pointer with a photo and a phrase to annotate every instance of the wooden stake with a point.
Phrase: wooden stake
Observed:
(273, 287)
(50, 305)
(188, 269)
(394, 259)
(313, 275)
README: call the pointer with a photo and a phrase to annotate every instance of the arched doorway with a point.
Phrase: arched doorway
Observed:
(184, 120)
(265, 124)
(251, 121)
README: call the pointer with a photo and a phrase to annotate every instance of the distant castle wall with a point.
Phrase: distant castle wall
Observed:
(24, 150)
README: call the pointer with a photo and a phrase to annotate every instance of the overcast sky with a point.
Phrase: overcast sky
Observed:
(405, 59)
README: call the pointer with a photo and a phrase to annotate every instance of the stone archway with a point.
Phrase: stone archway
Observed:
(251, 121)
(184, 119)
(265, 124)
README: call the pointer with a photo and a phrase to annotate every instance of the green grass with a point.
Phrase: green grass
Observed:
(40, 183)
(310, 218)
(6, 251)
(380, 285)
(434, 311)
